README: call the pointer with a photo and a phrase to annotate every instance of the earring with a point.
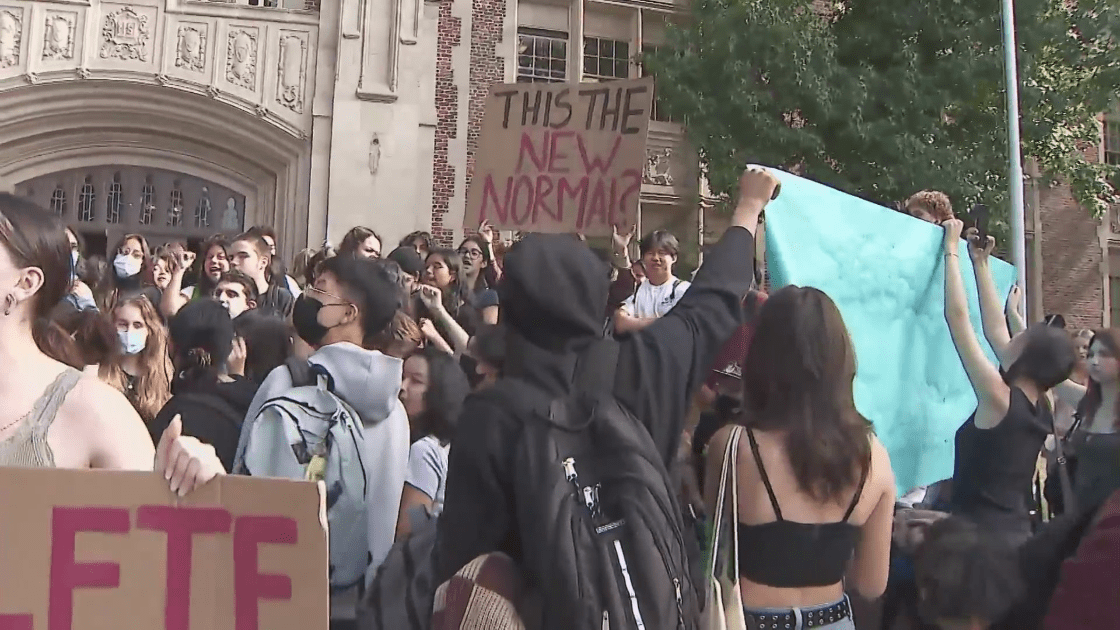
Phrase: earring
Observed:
(9, 302)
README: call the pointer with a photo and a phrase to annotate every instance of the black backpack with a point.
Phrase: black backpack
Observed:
(601, 532)
(403, 590)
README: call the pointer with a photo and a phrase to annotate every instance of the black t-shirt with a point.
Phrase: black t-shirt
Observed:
(277, 300)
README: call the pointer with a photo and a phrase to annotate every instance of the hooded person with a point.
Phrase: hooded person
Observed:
(554, 292)
(351, 300)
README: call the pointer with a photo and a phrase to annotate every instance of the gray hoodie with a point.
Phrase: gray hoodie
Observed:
(370, 382)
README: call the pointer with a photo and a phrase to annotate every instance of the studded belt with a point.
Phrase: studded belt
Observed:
(810, 617)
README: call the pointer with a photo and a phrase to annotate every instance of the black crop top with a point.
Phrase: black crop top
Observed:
(786, 554)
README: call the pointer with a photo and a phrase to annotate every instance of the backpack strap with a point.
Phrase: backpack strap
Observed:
(673, 291)
(304, 373)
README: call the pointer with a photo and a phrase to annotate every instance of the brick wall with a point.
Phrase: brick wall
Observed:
(486, 68)
(1071, 259)
(448, 36)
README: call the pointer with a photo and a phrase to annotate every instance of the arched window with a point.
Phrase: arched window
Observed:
(114, 201)
(58, 201)
(87, 201)
(147, 201)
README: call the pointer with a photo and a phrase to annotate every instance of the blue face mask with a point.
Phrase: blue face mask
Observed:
(132, 341)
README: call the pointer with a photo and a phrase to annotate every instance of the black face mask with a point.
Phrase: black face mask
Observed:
(305, 318)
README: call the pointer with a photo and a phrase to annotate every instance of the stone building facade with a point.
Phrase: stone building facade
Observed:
(179, 118)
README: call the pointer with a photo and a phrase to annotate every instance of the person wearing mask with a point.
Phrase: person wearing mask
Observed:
(277, 267)
(268, 342)
(54, 416)
(930, 206)
(998, 446)
(351, 300)
(250, 254)
(215, 262)
(659, 291)
(360, 242)
(554, 293)
(817, 492)
(81, 295)
(210, 395)
(142, 370)
(132, 273)
(433, 389)
(236, 292)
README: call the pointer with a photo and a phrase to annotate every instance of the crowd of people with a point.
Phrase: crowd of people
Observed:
(443, 368)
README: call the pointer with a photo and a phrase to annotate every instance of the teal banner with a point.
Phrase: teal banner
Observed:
(885, 271)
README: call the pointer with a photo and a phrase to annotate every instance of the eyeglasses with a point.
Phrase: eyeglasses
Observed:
(344, 301)
(470, 253)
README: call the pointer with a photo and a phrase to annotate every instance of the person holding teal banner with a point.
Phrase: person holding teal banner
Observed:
(885, 272)
(997, 447)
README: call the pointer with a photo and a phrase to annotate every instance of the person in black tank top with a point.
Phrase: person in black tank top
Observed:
(816, 456)
(998, 446)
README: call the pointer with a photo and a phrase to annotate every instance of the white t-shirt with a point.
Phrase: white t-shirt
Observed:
(427, 469)
(654, 301)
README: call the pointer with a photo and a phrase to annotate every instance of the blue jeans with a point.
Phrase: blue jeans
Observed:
(844, 624)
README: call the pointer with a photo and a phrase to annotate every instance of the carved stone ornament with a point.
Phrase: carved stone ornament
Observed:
(11, 36)
(289, 87)
(163, 79)
(84, 73)
(213, 91)
(658, 166)
(58, 36)
(190, 52)
(241, 58)
(125, 35)
(261, 111)
(31, 78)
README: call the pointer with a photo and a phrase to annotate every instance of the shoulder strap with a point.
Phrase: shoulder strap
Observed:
(673, 292)
(301, 370)
(765, 477)
(859, 491)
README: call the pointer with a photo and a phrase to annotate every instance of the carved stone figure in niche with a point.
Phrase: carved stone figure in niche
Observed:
(290, 85)
(374, 155)
(658, 165)
(230, 221)
(125, 36)
(192, 49)
(58, 37)
(11, 34)
(241, 65)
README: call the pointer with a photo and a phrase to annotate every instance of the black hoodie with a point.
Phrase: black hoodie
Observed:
(553, 293)
(213, 415)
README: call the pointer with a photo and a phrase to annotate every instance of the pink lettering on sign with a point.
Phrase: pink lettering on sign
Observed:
(66, 574)
(249, 584)
(181, 523)
(16, 622)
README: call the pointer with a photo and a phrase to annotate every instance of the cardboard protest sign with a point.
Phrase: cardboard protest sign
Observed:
(561, 158)
(94, 550)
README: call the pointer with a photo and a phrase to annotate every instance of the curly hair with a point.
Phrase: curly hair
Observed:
(933, 202)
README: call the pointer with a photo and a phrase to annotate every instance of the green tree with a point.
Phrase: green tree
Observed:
(882, 98)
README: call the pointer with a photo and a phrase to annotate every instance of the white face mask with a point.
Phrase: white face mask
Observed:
(132, 341)
(127, 266)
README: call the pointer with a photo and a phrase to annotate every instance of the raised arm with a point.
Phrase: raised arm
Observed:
(673, 355)
(1015, 322)
(991, 306)
(991, 392)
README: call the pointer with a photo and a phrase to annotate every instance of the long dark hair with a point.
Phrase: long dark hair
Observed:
(354, 239)
(268, 342)
(486, 276)
(204, 286)
(447, 389)
(34, 237)
(797, 378)
(455, 294)
(1091, 402)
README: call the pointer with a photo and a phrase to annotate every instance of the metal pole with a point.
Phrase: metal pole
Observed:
(1015, 177)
